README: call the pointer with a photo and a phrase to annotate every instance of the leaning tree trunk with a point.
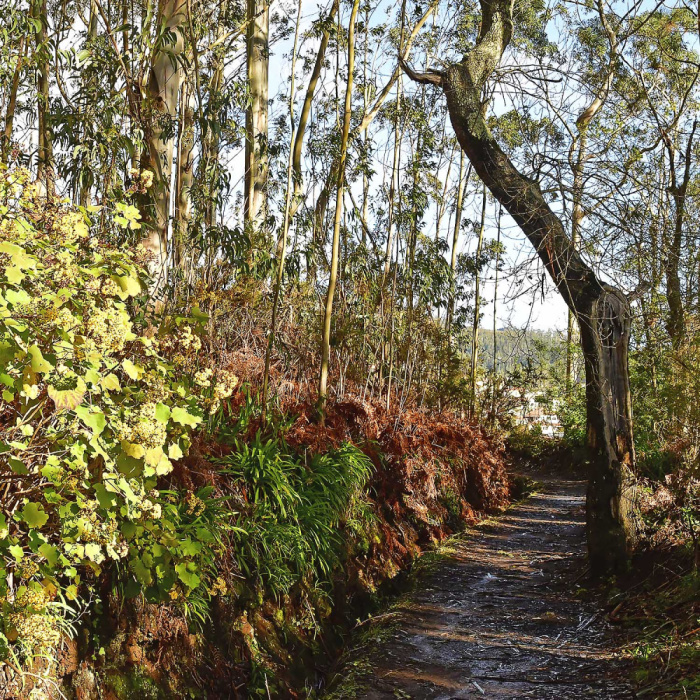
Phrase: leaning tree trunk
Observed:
(602, 312)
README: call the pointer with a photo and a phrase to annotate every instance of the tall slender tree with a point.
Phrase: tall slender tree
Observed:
(335, 252)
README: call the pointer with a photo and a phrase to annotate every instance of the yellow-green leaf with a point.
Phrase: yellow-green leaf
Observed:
(110, 382)
(182, 416)
(39, 362)
(174, 451)
(34, 515)
(132, 370)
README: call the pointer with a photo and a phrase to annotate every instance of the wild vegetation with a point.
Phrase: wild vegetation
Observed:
(267, 273)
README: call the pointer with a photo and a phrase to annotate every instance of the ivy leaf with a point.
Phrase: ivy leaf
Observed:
(164, 466)
(153, 456)
(110, 382)
(182, 416)
(18, 466)
(93, 418)
(174, 451)
(128, 216)
(133, 371)
(141, 571)
(50, 553)
(129, 286)
(34, 515)
(68, 399)
(189, 578)
(93, 552)
(189, 548)
(133, 450)
(105, 498)
(199, 315)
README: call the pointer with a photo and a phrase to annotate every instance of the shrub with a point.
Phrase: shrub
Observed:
(290, 530)
(96, 404)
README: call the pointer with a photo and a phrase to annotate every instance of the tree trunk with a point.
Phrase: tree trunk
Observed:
(461, 186)
(335, 254)
(162, 108)
(256, 160)
(678, 190)
(185, 179)
(602, 311)
(45, 171)
(477, 310)
(282, 245)
(305, 112)
(12, 103)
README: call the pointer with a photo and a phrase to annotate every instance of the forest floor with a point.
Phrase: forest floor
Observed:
(500, 612)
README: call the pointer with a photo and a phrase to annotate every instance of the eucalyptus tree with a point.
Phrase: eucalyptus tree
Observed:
(335, 244)
(256, 145)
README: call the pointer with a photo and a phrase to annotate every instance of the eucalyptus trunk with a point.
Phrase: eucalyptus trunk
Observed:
(256, 158)
(45, 163)
(12, 103)
(335, 253)
(161, 108)
(477, 310)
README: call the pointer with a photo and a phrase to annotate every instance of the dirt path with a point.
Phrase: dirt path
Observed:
(499, 617)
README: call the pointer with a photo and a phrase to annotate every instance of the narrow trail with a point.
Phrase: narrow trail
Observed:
(499, 616)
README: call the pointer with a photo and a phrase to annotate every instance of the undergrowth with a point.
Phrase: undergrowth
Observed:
(661, 621)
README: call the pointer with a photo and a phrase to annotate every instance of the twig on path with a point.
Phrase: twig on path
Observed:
(374, 619)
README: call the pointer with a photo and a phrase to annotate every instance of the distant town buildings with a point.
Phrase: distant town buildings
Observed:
(533, 409)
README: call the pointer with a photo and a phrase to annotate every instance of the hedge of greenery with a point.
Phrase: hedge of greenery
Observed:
(97, 403)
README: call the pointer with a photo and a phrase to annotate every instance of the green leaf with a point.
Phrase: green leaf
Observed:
(190, 548)
(93, 418)
(182, 416)
(17, 552)
(199, 315)
(128, 529)
(18, 466)
(50, 553)
(162, 412)
(141, 571)
(105, 498)
(34, 515)
(39, 362)
(189, 578)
